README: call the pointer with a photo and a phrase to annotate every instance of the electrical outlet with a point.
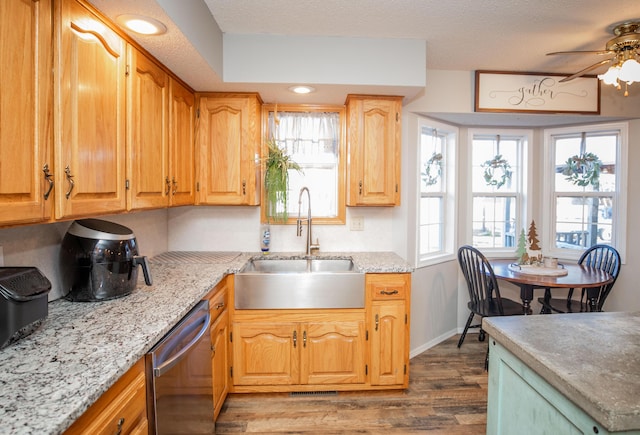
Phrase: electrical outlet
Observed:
(357, 223)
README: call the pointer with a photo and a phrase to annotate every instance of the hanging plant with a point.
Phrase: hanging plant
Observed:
(497, 171)
(583, 169)
(432, 169)
(276, 181)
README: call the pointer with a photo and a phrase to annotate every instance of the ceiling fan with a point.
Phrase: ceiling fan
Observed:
(621, 51)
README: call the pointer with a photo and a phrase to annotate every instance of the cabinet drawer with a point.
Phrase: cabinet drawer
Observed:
(217, 304)
(388, 286)
(122, 409)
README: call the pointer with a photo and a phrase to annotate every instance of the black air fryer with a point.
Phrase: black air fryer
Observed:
(99, 261)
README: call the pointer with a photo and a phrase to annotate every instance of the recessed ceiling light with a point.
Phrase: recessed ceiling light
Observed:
(301, 89)
(141, 24)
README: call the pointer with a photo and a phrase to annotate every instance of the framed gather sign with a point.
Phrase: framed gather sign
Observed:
(498, 91)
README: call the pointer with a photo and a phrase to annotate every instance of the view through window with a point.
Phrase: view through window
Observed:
(497, 184)
(585, 188)
(436, 190)
(313, 139)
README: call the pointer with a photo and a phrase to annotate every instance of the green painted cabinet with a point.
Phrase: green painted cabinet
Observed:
(522, 402)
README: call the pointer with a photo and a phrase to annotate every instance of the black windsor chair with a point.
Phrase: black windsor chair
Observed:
(603, 257)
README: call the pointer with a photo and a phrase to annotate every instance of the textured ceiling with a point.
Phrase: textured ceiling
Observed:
(467, 35)
(460, 34)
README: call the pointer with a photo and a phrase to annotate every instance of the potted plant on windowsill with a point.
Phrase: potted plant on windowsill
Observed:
(276, 182)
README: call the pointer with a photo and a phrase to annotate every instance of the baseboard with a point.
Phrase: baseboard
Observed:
(428, 345)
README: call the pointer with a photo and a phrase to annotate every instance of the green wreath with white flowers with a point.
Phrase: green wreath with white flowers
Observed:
(432, 169)
(583, 169)
(497, 171)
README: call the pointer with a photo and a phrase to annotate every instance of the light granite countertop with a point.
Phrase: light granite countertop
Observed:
(49, 378)
(593, 359)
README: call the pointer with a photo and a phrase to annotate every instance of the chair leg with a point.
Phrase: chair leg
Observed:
(547, 299)
(466, 328)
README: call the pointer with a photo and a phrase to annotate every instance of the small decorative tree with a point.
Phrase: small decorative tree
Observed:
(521, 250)
(532, 237)
(535, 253)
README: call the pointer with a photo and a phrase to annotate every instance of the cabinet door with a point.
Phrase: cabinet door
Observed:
(90, 101)
(266, 353)
(388, 360)
(333, 352)
(181, 162)
(374, 150)
(220, 360)
(147, 133)
(25, 110)
(229, 141)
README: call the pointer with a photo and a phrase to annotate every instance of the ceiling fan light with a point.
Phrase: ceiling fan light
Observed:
(611, 76)
(630, 71)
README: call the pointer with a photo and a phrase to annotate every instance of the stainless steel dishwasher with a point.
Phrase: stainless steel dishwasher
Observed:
(180, 380)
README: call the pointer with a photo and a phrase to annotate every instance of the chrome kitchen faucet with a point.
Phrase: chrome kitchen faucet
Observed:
(310, 246)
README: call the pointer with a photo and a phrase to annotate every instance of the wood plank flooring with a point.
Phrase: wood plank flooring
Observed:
(447, 394)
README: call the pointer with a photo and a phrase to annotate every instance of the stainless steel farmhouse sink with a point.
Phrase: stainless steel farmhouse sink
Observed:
(299, 283)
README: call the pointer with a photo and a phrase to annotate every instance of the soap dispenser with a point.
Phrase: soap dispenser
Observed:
(265, 238)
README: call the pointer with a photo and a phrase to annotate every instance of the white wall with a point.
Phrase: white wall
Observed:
(238, 229)
(330, 60)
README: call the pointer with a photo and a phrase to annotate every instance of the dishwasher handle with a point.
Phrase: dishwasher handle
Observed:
(165, 366)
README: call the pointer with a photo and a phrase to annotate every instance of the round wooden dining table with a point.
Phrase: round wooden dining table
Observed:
(577, 276)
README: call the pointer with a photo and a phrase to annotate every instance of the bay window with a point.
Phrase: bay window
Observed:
(585, 174)
(498, 175)
(436, 179)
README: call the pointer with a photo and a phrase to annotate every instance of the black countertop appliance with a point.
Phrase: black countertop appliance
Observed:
(99, 260)
(23, 302)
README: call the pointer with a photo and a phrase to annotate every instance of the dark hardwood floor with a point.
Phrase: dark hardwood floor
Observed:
(447, 394)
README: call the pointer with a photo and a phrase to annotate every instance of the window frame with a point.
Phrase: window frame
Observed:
(448, 193)
(619, 224)
(522, 194)
(340, 218)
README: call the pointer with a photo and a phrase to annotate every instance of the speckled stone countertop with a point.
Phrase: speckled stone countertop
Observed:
(591, 358)
(49, 378)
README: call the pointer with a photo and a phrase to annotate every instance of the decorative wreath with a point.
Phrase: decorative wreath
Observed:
(583, 169)
(432, 169)
(497, 171)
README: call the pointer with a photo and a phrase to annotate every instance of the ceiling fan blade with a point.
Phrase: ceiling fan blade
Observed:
(599, 52)
(586, 70)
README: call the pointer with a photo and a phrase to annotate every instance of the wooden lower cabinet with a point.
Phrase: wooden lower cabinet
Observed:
(331, 349)
(220, 360)
(389, 298)
(121, 409)
(298, 350)
(218, 304)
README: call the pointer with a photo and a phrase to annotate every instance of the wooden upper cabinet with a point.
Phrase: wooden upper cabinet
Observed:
(90, 62)
(25, 111)
(229, 141)
(147, 133)
(182, 106)
(374, 127)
